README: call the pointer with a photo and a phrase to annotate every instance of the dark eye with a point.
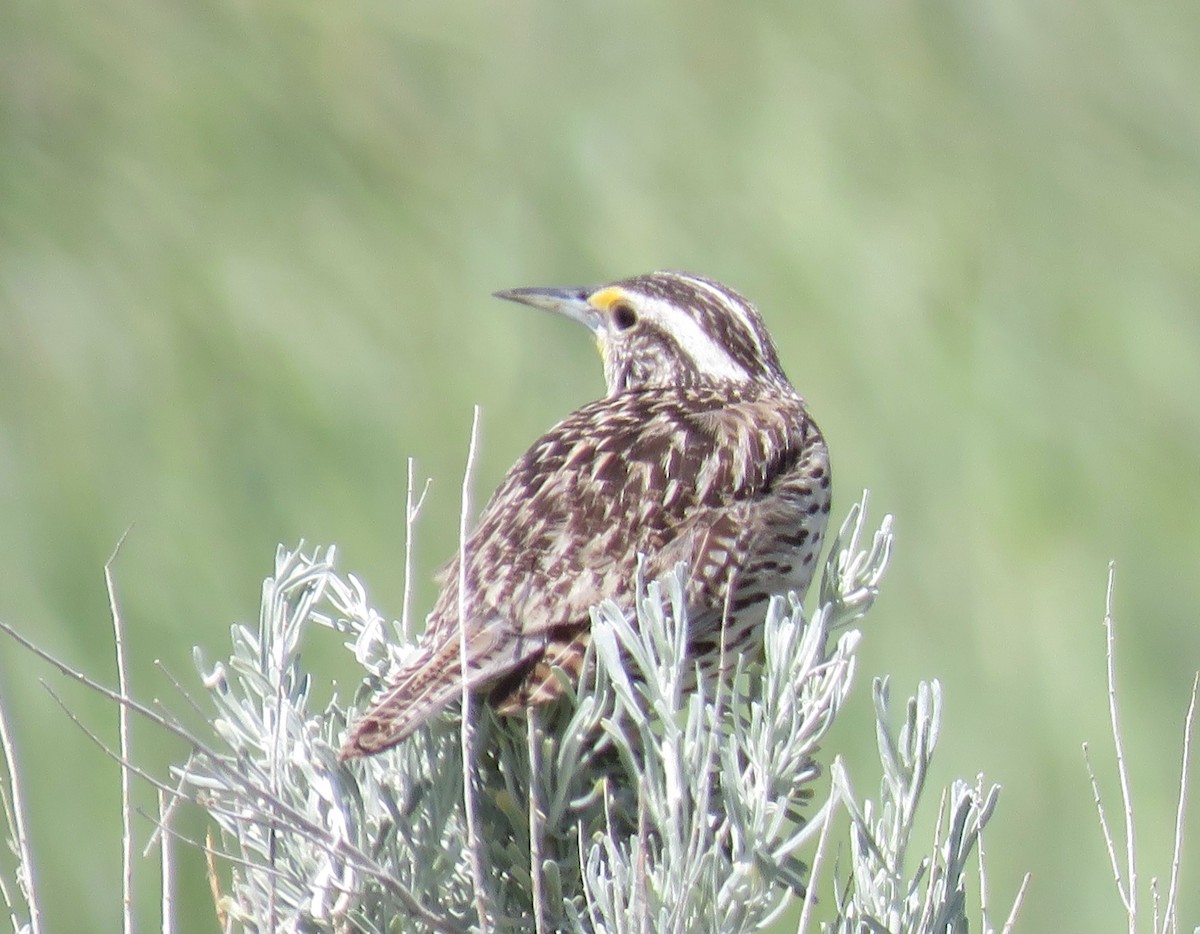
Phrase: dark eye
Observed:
(624, 316)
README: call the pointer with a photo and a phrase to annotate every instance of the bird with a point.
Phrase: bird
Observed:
(701, 451)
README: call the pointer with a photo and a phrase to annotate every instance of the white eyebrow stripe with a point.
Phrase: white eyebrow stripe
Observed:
(709, 356)
(734, 306)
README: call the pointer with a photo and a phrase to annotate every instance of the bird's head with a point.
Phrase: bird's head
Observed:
(666, 329)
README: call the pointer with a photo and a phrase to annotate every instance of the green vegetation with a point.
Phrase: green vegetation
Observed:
(245, 258)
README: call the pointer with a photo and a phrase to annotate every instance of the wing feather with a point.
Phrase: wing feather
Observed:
(650, 473)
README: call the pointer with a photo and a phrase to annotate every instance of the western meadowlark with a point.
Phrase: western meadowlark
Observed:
(701, 452)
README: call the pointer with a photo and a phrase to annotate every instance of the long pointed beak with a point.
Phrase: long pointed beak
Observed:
(571, 302)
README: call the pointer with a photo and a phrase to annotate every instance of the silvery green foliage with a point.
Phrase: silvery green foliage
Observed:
(16, 876)
(723, 781)
(312, 846)
(879, 895)
(659, 806)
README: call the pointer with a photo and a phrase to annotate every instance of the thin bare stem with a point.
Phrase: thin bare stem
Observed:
(19, 829)
(470, 805)
(818, 857)
(183, 692)
(277, 660)
(1177, 855)
(411, 510)
(642, 881)
(214, 879)
(5, 895)
(983, 890)
(123, 732)
(928, 903)
(533, 738)
(1011, 921)
(702, 831)
(1105, 830)
(166, 808)
(1130, 897)
(174, 797)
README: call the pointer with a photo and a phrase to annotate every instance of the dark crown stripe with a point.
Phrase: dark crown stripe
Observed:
(730, 320)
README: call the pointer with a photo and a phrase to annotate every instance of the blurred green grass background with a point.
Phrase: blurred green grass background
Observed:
(245, 257)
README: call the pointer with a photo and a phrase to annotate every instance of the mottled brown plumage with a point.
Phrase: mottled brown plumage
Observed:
(701, 452)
